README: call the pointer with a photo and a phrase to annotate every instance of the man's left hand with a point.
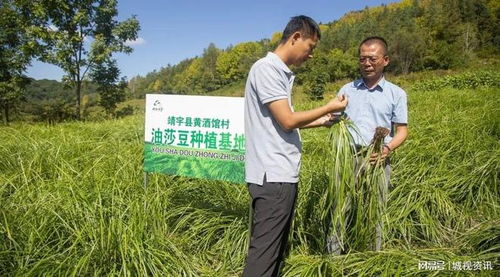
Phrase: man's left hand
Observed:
(380, 157)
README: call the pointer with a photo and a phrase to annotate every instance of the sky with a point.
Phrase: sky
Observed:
(172, 31)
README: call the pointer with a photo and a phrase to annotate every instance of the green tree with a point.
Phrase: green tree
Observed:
(342, 65)
(315, 84)
(71, 25)
(275, 40)
(16, 50)
(407, 49)
(233, 64)
(209, 77)
(111, 90)
(190, 79)
(316, 77)
(11, 92)
(469, 38)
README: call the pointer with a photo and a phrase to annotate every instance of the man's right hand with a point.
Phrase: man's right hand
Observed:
(337, 104)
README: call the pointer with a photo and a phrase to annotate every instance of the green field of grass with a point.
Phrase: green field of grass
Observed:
(72, 201)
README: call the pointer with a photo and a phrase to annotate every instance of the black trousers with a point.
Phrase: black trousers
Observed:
(273, 208)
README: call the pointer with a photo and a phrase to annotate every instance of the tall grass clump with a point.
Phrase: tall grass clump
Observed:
(337, 203)
(370, 193)
(353, 205)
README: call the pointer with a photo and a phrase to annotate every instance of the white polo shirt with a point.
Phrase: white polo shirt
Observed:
(271, 152)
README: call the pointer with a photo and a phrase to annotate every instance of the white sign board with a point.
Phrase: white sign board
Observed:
(195, 136)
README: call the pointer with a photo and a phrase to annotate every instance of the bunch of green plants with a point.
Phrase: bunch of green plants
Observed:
(337, 202)
(353, 206)
(369, 198)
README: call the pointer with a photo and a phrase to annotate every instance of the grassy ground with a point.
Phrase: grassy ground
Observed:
(72, 201)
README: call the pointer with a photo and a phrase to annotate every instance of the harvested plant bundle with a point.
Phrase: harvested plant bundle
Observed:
(353, 204)
(370, 194)
(340, 191)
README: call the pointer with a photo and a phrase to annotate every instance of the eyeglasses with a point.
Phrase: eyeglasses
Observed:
(370, 59)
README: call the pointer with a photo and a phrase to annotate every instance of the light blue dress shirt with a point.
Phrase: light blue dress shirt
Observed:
(380, 106)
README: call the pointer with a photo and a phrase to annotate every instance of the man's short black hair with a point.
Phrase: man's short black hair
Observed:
(303, 24)
(375, 39)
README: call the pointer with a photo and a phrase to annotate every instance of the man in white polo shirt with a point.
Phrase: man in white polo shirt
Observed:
(273, 147)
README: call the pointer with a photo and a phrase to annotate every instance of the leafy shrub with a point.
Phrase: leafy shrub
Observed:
(315, 85)
(466, 80)
(127, 110)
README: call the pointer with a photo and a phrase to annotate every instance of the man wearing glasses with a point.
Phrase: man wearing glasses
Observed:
(375, 102)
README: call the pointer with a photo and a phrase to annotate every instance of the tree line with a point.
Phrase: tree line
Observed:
(81, 37)
(422, 35)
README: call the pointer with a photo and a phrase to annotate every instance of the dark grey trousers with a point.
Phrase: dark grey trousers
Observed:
(273, 207)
